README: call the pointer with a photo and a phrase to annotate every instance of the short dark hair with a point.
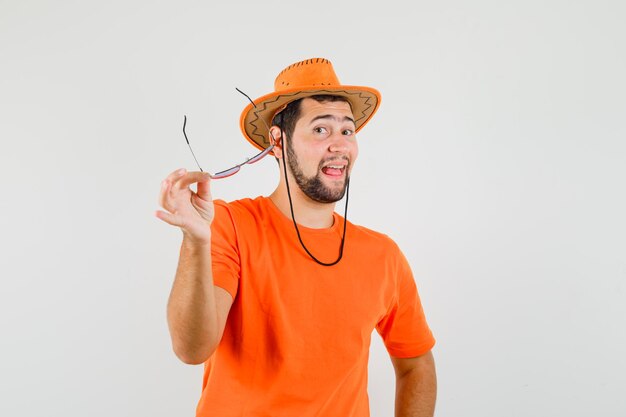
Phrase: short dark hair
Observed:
(286, 119)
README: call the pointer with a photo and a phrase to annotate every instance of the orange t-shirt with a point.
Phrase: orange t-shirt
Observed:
(297, 338)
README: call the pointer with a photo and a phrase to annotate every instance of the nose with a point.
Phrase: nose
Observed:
(339, 143)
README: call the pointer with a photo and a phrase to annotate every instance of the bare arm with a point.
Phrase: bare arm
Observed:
(197, 310)
(416, 386)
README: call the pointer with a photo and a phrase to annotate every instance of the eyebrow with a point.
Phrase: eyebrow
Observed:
(330, 116)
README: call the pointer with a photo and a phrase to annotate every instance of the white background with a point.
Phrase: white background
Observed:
(497, 161)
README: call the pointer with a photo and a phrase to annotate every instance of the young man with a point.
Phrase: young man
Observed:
(278, 295)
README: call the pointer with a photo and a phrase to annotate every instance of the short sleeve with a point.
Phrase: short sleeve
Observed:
(404, 329)
(224, 249)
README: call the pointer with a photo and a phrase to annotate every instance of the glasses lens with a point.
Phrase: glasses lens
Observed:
(260, 155)
(227, 173)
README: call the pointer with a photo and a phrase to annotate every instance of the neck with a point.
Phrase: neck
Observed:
(307, 212)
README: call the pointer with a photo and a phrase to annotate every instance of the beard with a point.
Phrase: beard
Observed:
(313, 187)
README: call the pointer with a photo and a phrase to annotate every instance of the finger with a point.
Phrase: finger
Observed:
(168, 218)
(164, 194)
(192, 177)
(169, 196)
(204, 190)
(174, 176)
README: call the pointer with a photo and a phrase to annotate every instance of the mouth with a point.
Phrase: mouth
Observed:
(335, 170)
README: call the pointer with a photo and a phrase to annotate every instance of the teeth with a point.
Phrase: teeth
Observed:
(335, 166)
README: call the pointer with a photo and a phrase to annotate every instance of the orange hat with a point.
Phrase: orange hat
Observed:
(299, 80)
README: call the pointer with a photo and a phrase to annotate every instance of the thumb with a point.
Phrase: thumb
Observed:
(204, 188)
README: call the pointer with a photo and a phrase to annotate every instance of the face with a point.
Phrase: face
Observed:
(322, 149)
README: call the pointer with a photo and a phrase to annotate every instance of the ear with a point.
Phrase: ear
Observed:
(278, 144)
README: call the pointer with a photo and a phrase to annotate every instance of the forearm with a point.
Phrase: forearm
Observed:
(416, 392)
(191, 309)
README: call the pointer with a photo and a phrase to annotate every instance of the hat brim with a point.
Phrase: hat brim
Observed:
(363, 100)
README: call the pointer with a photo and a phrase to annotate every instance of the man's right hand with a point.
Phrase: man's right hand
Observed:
(197, 309)
(191, 211)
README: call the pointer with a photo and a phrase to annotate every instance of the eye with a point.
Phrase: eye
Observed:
(348, 132)
(320, 130)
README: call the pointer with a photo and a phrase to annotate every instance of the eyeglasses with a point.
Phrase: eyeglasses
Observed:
(231, 171)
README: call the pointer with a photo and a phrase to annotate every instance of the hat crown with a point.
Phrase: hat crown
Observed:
(315, 72)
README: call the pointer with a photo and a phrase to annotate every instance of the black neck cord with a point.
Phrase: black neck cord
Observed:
(293, 217)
